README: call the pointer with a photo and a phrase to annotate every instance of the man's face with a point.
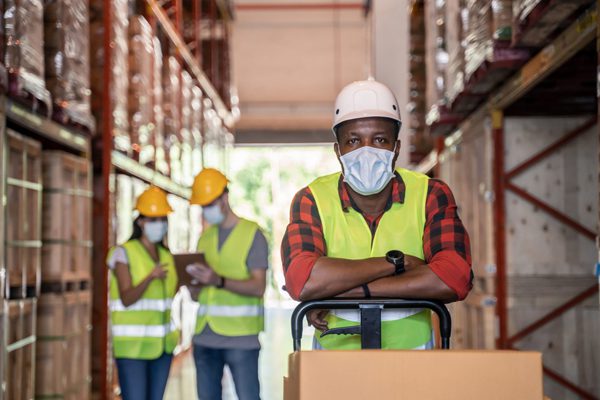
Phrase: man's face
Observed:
(374, 132)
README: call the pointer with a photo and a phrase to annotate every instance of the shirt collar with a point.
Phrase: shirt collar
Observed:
(397, 195)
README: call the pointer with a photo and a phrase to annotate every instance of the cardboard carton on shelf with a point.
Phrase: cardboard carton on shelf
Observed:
(407, 375)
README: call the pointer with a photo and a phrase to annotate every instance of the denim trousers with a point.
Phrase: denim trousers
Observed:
(209, 372)
(143, 379)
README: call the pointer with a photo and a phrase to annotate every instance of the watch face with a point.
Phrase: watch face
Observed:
(395, 254)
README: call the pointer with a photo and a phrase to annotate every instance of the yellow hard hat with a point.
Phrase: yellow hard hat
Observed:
(153, 203)
(208, 185)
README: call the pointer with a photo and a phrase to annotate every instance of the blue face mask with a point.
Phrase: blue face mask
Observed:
(213, 214)
(155, 231)
(367, 170)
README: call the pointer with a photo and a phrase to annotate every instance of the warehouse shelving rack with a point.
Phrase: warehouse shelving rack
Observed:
(211, 74)
(52, 136)
(579, 37)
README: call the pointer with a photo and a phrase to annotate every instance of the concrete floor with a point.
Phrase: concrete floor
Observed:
(276, 346)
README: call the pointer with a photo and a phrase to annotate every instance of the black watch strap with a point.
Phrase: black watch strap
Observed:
(396, 257)
(221, 283)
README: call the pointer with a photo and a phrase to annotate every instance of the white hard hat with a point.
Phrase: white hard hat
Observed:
(363, 99)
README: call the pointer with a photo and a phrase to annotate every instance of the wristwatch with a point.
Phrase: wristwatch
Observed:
(396, 257)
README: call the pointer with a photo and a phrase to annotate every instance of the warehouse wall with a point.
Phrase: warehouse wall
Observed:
(303, 57)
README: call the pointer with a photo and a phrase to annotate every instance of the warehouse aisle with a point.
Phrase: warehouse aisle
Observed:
(276, 345)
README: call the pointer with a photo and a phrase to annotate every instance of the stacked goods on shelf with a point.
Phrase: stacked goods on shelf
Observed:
(67, 55)
(536, 21)
(24, 57)
(187, 87)
(63, 345)
(436, 57)
(158, 115)
(420, 145)
(488, 24)
(489, 58)
(197, 130)
(119, 77)
(140, 97)
(22, 215)
(3, 78)
(172, 109)
(21, 349)
(455, 23)
(66, 220)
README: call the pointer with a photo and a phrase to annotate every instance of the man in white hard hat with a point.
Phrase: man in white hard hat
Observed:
(373, 230)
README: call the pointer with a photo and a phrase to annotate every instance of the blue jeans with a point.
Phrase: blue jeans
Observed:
(209, 372)
(143, 379)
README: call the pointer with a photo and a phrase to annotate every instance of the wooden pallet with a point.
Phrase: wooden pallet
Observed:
(63, 348)
(66, 226)
(23, 219)
(21, 348)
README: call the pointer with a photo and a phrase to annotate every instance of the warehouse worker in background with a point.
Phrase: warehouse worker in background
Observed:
(373, 230)
(142, 286)
(231, 312)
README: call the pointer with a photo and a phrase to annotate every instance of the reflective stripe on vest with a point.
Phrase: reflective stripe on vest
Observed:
(231, 311)
(138, 331)
(142, 305)
(144, 330)
(228, 313)
(348, 236)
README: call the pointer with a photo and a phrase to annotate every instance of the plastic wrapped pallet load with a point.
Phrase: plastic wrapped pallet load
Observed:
(489, 24)
(66, 45)
(455, 24)
(24, 57)
(158, 114)
(140, 95)
(172, 109)
(436, 55)
(3, 77)
(118, 71)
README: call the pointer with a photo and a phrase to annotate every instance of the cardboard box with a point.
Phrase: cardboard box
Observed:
(431, 375)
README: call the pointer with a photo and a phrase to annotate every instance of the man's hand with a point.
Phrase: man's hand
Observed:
(316, 318)
(203, 274)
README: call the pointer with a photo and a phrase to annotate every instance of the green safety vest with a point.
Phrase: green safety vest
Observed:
(228, 313)
(348, 236)
(144, 330)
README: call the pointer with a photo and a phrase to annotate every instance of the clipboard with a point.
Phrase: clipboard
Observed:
(182, 261)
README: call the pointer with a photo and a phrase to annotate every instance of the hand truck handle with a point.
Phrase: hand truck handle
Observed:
(331, 304)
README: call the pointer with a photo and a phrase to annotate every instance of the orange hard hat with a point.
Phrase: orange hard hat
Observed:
(153, 203)
(208, 186)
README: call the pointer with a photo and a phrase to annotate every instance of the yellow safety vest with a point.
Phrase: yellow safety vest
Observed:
(144, 330)
(348, 236)
(228, 313)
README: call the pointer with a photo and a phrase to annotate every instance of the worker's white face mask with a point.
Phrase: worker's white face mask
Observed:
(155, 231)
(367, 169)
(213, 214)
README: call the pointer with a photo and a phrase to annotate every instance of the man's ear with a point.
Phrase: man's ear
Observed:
(336, 148)
(396, 152)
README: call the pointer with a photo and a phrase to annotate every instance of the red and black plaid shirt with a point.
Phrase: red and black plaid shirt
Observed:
(445, 241)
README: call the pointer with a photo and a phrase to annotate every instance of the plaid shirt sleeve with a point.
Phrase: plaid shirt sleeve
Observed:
(445, 241)
(303, 242)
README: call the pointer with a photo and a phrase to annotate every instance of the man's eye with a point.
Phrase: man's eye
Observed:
(353, 141)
